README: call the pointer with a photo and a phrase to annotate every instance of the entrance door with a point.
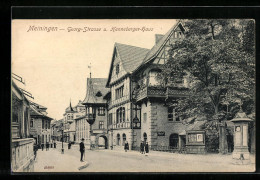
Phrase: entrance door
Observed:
(173, 141)
(102, 142)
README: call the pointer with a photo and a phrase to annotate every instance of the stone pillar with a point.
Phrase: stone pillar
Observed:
(241, 154)
(223, 148)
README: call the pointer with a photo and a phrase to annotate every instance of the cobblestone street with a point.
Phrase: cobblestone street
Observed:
(133, 161)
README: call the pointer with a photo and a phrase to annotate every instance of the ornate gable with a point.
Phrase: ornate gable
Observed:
(175, 33)
(125, 60)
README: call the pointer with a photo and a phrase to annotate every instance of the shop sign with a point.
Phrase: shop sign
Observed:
(160, 133)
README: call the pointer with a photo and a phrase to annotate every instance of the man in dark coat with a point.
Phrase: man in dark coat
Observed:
(146, 147)
(82, 149)
(47, 146)
(142, 147)
(35, 148)
(42, 145)
(126, 146)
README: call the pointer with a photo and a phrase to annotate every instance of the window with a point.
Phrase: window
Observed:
(170, 113)
(49, 124)
(110, 118)
(195, 137)
(42, 124)
(117, 68)
(99, 94)
(124, 138)
(31, 122)
(175, 34)
(120, 92)
(101, 111)
(46, 124)
(118, 139)
(153, 78)
(145, 117)
(101, 124)
(120, 115)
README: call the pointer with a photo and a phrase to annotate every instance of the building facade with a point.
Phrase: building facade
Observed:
(95, 97)
(22, 156)
(40, 124)
(71, 113)
(137, 104)
(82, 130)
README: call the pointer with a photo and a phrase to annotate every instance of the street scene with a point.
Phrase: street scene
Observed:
(114, 160)
(133, 95)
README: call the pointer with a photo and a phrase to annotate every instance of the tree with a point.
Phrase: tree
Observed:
(218, 58)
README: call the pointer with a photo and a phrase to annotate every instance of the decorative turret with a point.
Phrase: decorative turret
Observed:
(69, 112)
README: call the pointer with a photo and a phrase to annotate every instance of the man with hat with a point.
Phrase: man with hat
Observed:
(82, 149)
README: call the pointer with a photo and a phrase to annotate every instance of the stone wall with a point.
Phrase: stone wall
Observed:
(157, 121)
(22, 155)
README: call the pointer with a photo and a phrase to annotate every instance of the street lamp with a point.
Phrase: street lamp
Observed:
(136, 124)
(62, 131)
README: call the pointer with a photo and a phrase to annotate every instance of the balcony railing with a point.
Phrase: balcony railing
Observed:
(123, 125)
(22, 155)
(161, 92)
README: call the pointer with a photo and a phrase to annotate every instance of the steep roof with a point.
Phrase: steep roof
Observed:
(160, 44)
(35, 112)
(130, 56)
(38, 105)
(70, 109)
(157, 47)
(96, 90)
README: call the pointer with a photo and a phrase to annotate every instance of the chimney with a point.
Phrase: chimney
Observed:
(158, 37)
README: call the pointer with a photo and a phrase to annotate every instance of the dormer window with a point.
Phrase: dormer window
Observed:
(99, 94)
(117, 68)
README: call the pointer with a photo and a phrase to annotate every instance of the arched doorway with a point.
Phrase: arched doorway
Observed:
(124, 139)
(145, 137)
(173, 141)
(118, 139)
(101, 142)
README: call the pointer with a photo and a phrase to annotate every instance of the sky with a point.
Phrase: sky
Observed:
(55, 64)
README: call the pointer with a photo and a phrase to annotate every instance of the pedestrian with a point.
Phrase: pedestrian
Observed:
(42, 145)
(142, 147)
(47, 146)
(146, 147)
(35, 148)
(82, 149)
(126, 146)
(54, 144)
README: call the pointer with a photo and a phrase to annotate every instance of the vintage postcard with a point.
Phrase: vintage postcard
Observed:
(133, 95)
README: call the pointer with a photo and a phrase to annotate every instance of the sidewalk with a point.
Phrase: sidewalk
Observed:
(54, 161)
(207, 158)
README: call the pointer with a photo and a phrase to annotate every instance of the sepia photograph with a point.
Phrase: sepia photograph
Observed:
(132, 95)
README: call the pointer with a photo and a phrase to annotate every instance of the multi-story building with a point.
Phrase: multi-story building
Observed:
(71, 113)
(40, 128)
(96, 92)
(56, 132)
(137, 104)
(82, 130)
(22, 156)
